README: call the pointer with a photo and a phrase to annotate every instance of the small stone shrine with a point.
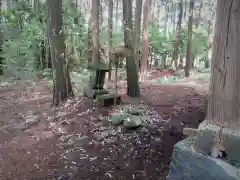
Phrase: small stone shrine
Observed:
(95, 86)
(96, 80)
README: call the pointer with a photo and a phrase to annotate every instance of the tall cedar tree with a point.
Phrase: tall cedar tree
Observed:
(145, 49)
(132, 75)
(62, 87)
(224, 98)
(189, 60)
(178, 35)
(110, 34)
(138, 19)
(95, 31)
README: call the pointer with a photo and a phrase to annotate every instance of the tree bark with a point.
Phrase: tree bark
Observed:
(145, 37)
(90, 48)
(198, 20)
(174, 15)
(138, 19)
(181, 61)
(132, 75)
(185, 14)
(117, 15)
(178, 35)
(101, 19)
(153, 6)
(62, 87)
(158, 13)
(224, 99)
(1, 40)
(189, 44)
(110, 35)
(95, 31)
(210, 32)
(166, 19)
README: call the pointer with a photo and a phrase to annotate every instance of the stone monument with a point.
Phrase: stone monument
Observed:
(95, 86)
(96, 80)
(193, 158)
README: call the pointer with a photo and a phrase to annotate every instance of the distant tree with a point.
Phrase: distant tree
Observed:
(166, 25)
(198, 20)
(90, 44)
(189, 43)
(145, 37)
(178, 34)
(117, 13)
(95, 31)
(1, 41)
(101, 17)
(132, 75)
(138, 19)
(210, 31)
(110, 34)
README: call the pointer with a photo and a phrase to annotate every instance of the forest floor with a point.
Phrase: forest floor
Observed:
(75, 141)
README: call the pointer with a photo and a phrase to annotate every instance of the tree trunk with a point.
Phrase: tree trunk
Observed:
(166, 19)
(206, 61)
(62, 87)
(1, 41)
(189, 44)
(164, 60)
(3, 7)
(132, 75)
(117, 15)
(110, 34)
(178, 35)
(158, 20)
(145, 49)
(210, 32)
(198, 21)
(101, 20)
(95, 31)
(153, 6)
(185, 14)
(224, 99)
(181, 61)
(150, 58)
(174, 15)
(138, 16)
(90, 48)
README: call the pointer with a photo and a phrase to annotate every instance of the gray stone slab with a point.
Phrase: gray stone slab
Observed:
(92, 93)
(108, 99)
(230, 140)
(187, 164)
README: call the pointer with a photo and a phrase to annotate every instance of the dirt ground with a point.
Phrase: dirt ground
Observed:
(76, 141)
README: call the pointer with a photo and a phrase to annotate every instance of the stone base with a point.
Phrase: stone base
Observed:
(230, 141)
(92, 93)
(187, 164)
(108, 99)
